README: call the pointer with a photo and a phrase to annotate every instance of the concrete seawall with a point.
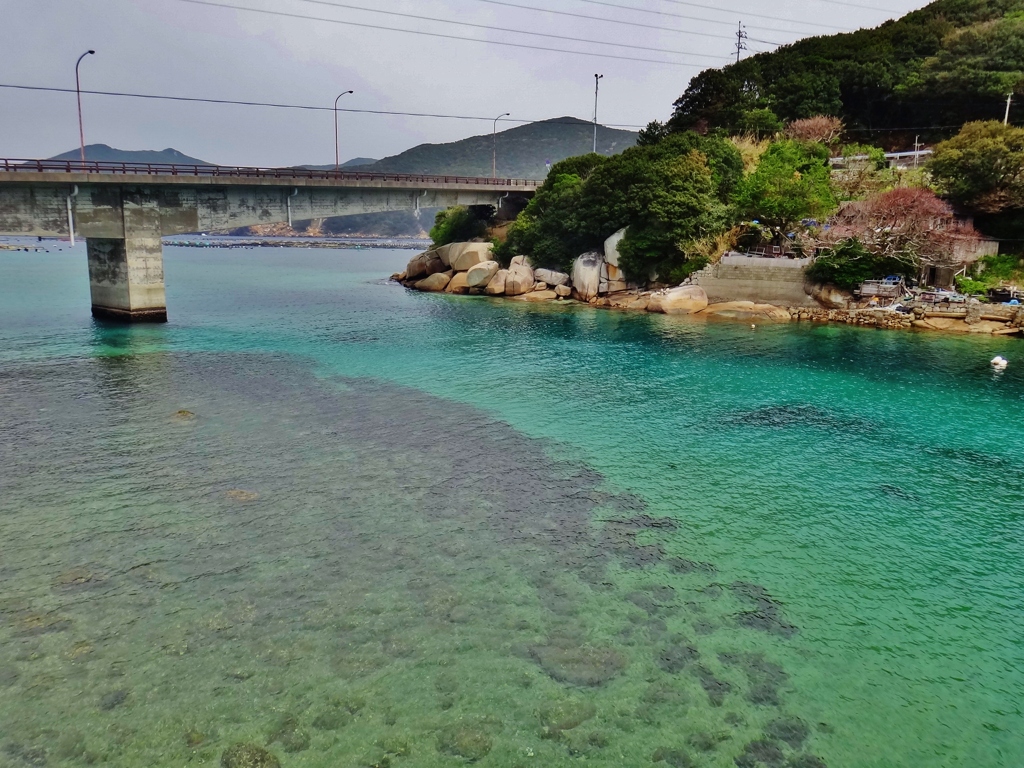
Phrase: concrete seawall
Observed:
(761, 280)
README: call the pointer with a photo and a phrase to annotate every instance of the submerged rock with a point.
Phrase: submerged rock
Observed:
(707, 742)
(677, 758)
(464, 741)
(715, 689)
(248, 756)
(585, 665)
(564, 716)
(290, 734)
(238, 494)
(791, 730)
(676, 656)
(766, 614)
(114, 699)
(766, 677)
(806, 761)
(762, 752)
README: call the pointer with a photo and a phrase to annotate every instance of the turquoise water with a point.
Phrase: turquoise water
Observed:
(417, 530)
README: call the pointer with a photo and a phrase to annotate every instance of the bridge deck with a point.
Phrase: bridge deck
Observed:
(144, 174)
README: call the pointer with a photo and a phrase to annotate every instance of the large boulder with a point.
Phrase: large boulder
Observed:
(563, 291)
(496, 287)
(613, 279)
(417, 267)
(684, 300)
(457, 284)
(434, 283)
(520, 278)
(611, 247)
(747, 310)
(829, 296)
(480, 274)
(444, 253)
(551, 277)
(537, 296)
(586, 275)
(462, 256)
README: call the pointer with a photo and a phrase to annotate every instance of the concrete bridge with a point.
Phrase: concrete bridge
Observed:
(123, 209)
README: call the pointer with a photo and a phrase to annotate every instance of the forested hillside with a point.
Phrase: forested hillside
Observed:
(927, 73)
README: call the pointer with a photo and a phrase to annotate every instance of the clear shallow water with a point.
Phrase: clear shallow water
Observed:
(409, 528)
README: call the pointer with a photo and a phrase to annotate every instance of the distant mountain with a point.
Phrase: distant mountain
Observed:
(523, 151)
(105, 154)
(355, 162)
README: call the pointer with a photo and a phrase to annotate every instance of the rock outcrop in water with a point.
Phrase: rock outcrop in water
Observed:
(596, 279)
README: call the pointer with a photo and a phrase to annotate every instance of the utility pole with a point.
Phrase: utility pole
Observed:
(1006, 117)
(741, 41)
(78, 91)
(337, 148)
(917, 148)
(597, 85)
(494, 145)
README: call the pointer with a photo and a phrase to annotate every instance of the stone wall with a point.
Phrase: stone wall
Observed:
(761, 280)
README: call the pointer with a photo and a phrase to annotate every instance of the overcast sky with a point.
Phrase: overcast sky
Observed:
(173, 47)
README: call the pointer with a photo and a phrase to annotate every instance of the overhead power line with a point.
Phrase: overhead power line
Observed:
(284, 14)
(506, 29)
(304, 107)
(638, 24)
(776, 18)
(711, 21)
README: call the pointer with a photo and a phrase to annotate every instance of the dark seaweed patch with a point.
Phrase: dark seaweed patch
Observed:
(766, 615)
(761, 752)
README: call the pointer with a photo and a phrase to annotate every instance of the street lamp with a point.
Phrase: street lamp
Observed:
(597, 85)
(78, 91)
(494, 145)
(337, 149)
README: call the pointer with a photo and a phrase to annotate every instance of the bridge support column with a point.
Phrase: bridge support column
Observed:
(126, 276)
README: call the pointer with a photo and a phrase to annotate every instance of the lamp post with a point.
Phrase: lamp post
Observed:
(494, 145)
(337, 148)
(78, 92)
(597, 85)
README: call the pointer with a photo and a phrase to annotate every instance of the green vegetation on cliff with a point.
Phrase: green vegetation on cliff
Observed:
(946, 64)
(669, 194)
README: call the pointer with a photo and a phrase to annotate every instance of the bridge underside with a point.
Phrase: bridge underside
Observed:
(123, 224)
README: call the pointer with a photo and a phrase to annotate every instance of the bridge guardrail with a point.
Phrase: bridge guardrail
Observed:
(167, 169)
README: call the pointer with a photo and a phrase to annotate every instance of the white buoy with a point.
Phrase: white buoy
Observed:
(999, 362)
(753, 326)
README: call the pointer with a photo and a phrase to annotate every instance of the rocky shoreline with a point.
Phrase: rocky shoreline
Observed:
(596, 280)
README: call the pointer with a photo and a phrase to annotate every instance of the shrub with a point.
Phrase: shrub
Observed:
(849, 264)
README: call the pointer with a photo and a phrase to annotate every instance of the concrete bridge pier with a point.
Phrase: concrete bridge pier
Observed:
(126, 275)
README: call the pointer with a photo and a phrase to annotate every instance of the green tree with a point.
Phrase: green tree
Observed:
(982, 60)
(652, 134)
(761, 123)
(456, 225)
(791, 183)
(549, 229)
(982, 167)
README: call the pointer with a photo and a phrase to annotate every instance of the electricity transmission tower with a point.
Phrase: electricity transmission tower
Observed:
(741, 41)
